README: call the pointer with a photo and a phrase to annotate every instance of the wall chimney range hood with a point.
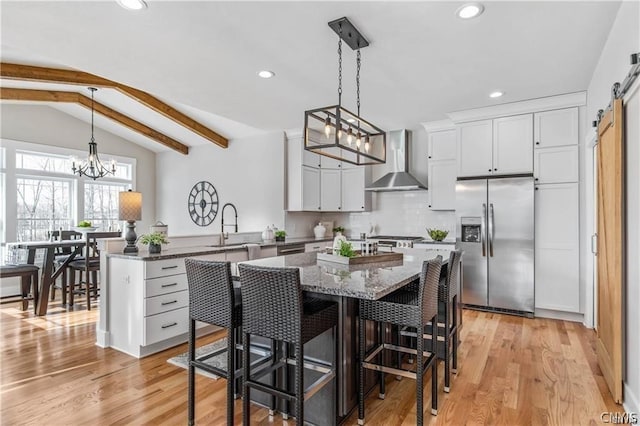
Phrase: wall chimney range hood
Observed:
(399, 179)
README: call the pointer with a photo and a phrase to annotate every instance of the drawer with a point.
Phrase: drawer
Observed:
(164, 285)
(166, 302)
(162, 268)
(165, 326)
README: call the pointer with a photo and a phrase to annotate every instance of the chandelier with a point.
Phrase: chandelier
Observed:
(336, 132)
(93, 167)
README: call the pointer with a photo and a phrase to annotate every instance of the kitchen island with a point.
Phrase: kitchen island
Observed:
(147, 309)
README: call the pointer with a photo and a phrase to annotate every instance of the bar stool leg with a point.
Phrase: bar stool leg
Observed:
(25, 283)
(192, 355)
(287, 405)
(447, 354)
(419, 375)
(274, 378)
(36, 291)
(381, 375)
(231, 368)
(299, 384)
(237, 340)
(245, 387)
(362, 349)
(434, 367)
(454, 368)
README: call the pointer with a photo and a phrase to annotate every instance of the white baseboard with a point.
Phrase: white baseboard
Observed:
(559, 315)
(630, 403)
(102, 338)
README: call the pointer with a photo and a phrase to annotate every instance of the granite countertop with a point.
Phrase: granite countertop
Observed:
(173, 253)
(365, 281)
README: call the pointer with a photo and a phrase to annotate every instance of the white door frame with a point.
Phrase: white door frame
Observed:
(590, 302)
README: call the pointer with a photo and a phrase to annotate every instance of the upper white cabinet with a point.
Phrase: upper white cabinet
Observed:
(353, 197)
(475, 148)
(442, 185)
(556, 128)
(319, 183)
(496, 147)
(442, 145)
(556, 165)
(513, 145)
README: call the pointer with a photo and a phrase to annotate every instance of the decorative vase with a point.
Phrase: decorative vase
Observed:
(155, 248)
(319, 231)
(267, 234)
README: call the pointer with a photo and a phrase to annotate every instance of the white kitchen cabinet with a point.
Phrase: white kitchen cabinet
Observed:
(442, 185)
(556, 128)
(330, 187)
(442, 145)
(314, 182)
(474, 148)
(557, 247)
(310, 189)
(513, 145)
(502, 146)
(148, 303)
(556, 164)
(317, 246)
(353, 196)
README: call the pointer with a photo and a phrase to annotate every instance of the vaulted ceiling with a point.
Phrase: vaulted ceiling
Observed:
(423, 61)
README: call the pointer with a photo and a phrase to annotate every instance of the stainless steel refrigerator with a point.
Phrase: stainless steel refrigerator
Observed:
(495, 229)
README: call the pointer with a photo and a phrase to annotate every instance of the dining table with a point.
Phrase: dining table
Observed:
(49, 273)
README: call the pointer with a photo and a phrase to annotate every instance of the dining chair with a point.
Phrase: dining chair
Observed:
(62, 253)
(88, 267)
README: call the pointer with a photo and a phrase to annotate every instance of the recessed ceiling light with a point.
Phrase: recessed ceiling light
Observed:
(132, 4)
(266, 74)
(469, 10)
(496, 94)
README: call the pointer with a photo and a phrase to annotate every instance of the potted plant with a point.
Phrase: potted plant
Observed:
(155, 241)
(280, 234)
(338, 230)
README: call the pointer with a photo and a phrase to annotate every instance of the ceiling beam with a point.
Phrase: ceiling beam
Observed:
(81, 78)
(73, 97)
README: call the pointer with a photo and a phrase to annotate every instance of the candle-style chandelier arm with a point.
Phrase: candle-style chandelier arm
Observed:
(93, 167)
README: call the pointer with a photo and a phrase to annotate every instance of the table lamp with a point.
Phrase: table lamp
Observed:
(130, 209)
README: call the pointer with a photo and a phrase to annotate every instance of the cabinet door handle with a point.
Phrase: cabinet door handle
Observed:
(537, 143)
(169, 303)
(536, 179)
(169, 267)
(489, 170)
(168, 285)
(173, 324)
(495, 170)
(429, 156)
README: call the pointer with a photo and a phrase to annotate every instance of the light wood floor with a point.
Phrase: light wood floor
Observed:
(513, 371)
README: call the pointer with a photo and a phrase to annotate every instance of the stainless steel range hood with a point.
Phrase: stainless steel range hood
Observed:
(399, 179)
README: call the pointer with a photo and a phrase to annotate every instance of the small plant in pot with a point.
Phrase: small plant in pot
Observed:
(155, 241)
(338, 230)
(280, 234)
(437, 234)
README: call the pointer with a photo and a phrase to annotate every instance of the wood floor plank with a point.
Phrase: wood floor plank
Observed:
(512, 371)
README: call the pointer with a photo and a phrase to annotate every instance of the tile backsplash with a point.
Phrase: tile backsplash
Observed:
(392, 213)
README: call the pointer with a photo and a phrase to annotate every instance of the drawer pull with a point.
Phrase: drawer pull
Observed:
(168, 285)
(169, 303)
(169, 267)
(173, 324)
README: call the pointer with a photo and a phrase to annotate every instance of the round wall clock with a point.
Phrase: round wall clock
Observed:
(203, 203)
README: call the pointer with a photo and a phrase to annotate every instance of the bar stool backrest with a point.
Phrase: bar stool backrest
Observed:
(428, 293)
(271, 302)
(211, 296)
(453, 268)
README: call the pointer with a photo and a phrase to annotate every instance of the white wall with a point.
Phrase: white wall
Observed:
(613, 66)
(249, 174)
(44, 125)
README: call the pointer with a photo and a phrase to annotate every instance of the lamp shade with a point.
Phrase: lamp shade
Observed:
(130, 205)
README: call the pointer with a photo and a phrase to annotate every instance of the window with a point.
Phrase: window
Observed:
(101, 204)
(40, 192)
(43, 205)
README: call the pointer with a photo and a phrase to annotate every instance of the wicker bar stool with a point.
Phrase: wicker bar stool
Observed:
(28, 283)
(404, 309)
(274, 308)
(448, 290)
(212, 300)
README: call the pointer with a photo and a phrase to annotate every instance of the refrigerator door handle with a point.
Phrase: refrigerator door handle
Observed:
(483, 229)
(491, 229)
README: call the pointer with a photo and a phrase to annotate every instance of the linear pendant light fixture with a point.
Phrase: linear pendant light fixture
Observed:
(336, 132)
(93, 167)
